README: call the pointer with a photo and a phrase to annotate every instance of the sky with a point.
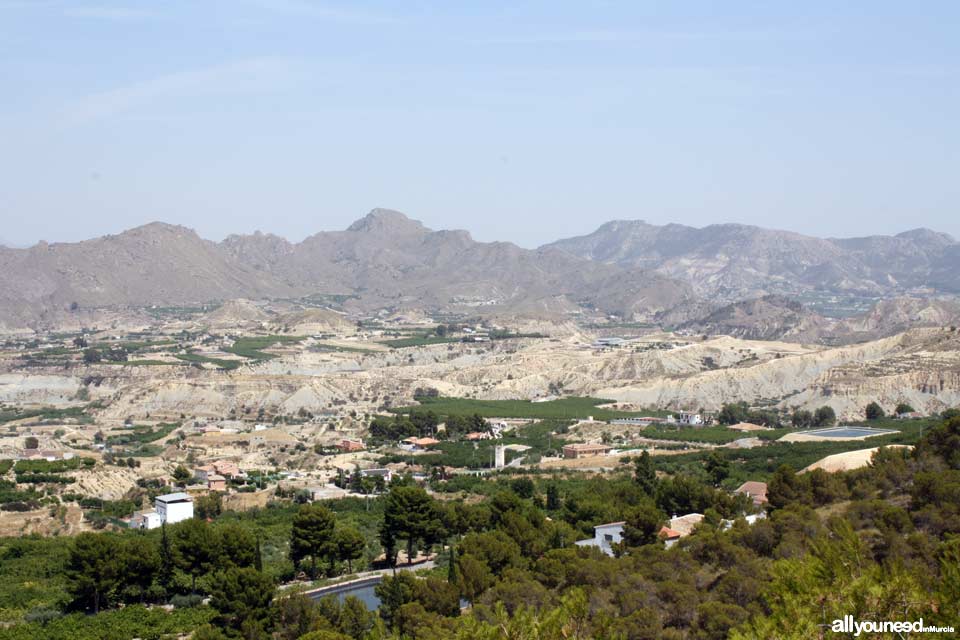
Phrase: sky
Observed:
(523, 121)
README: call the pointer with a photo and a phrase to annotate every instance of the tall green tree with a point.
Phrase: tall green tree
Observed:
(874, 411)
(350, 545)
(237, 545)
(196, 548)
(242, 599)
(409, 515)
(167, 559)
(311, 535)
(553, 497)
(718, 468)
(644, 473)
(642, 525)
(93, 571)
(825, 416)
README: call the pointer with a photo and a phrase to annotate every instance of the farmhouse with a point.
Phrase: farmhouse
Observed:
(643, 421)
(756, 490)
(216, 482)
(145, 520)
(420, 444)
(171, 508)
(689, 418)
(604, 537)
(583, 450)
(174, 507)
(349, 446)
(386, 474)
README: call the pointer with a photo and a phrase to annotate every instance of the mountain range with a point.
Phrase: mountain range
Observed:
(733, 261)
(628, 269)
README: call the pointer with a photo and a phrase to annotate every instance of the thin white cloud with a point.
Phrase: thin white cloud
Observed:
(125, 11)
(322, 11)
(111, 13)
(643, 35)
(251, 76)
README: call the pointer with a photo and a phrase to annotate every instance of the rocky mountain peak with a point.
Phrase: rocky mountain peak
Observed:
(387, 221)
(922, 234)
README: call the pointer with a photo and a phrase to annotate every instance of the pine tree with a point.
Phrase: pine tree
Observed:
(645, 474)
(452, 577)
(166, 559)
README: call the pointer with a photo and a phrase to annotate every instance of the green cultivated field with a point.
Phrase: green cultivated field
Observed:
(710, 435)
(251, 347)
(418, 341)
(760, 462)
(194, 357)
(561, 409)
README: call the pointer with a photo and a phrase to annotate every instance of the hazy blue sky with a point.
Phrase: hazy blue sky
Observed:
(527, 121)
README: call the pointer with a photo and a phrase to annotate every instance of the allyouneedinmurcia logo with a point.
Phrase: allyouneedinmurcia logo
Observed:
(848, 625)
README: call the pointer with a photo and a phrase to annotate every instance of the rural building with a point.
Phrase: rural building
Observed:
(386, 474)
(49, 456)
(689, 418)
(608, 342)
(478, 435)
(604, 537)
(669, 536)
(174, 507)
(228, 469)
(348, 446)
(643, 421)
(216, 482)
(203, 472)
(583, 450)
(145, 520)
(419, 444)
(223, 468)
(685, 524)
(756, 490)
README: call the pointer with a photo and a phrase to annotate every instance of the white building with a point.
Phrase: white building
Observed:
(604, 537)
(145, 520)
(174, 507)
(690, 418)
(608, 342)
(386, 474)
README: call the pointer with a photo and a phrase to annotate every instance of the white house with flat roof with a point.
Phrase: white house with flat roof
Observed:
(604, 537)
(145, 520)
(174, 507)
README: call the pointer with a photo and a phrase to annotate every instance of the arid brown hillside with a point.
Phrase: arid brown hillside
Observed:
(383, 260)
(735, 261)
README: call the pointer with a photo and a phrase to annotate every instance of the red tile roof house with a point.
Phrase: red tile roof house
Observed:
(421, 443)
(582, 450)
(348, 446)
(216, 483)
(756, 490)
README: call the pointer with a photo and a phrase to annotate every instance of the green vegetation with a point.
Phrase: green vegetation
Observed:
(146, 363)
(571, 408)
(8, 415)
(220, 362)
(143, 434)
(882, 542)
(135, 621)
(760, 463)
(418, 341)
(710, 435)
(56, 466)
(251, 347)
(441, 335)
